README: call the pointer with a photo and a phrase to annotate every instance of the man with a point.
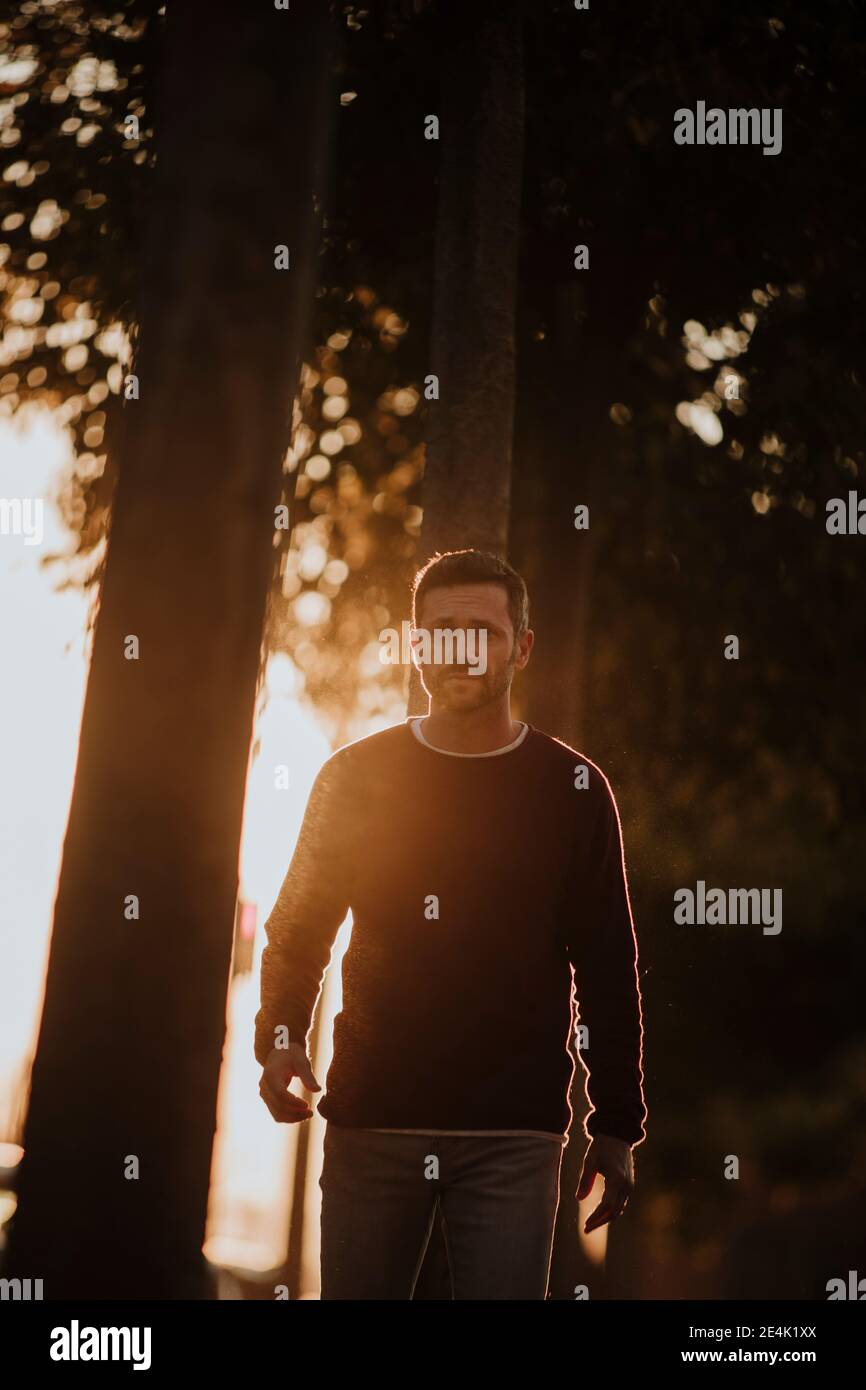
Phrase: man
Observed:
(482, 860)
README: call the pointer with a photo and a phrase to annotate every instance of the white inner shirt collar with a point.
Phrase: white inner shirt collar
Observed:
(417, 721)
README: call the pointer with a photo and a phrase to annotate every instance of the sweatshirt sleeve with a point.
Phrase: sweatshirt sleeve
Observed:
(310, 907)
(603, 950)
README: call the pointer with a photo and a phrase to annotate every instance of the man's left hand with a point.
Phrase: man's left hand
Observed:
(613, 1159)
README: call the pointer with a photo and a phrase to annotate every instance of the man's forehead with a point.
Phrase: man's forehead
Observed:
(479, 598)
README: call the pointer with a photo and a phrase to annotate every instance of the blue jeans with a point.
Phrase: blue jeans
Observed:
(498, 1198)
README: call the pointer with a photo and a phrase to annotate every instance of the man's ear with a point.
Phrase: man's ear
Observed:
(524, 648)
(413, 647)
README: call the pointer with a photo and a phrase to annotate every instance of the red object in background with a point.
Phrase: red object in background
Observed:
(246, 921)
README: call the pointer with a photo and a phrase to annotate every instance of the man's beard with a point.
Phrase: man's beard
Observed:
(491, 685)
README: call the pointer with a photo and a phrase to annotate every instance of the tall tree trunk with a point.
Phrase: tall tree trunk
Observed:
(557, 467)
(133, 1025)
(467, 477)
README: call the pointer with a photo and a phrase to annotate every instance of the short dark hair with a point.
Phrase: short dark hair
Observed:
(473, 567)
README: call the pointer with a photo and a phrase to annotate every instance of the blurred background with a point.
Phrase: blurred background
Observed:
(437, 373)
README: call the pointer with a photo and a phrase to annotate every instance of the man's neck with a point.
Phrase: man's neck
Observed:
(475, 731)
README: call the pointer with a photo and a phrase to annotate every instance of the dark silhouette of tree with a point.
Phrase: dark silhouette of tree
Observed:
(120, 1127)
(467, 479)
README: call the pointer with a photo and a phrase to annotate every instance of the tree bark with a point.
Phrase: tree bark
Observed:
(467, 476)
(133, 1024)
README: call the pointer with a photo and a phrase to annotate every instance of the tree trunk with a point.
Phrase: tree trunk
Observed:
(467, 475)
(467, 478)
(560, 459)
(134, 1017)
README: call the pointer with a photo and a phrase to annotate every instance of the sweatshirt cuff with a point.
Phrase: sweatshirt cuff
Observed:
(616, 1128)
(265, 1037)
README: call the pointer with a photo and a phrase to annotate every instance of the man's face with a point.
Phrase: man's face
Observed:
(478, 615)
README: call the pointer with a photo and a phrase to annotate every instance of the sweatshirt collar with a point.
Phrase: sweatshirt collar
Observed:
(415, 722)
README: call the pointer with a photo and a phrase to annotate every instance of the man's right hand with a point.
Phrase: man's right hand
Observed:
(281, 1068)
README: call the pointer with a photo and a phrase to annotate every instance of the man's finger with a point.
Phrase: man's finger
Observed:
(287, 1110)
(277, 1089)
(612, 1205)
(281, 1103)
(279, 1096)
(306, 1075)
(588, 1175)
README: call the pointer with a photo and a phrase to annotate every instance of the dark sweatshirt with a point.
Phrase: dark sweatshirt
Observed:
(475, 885)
